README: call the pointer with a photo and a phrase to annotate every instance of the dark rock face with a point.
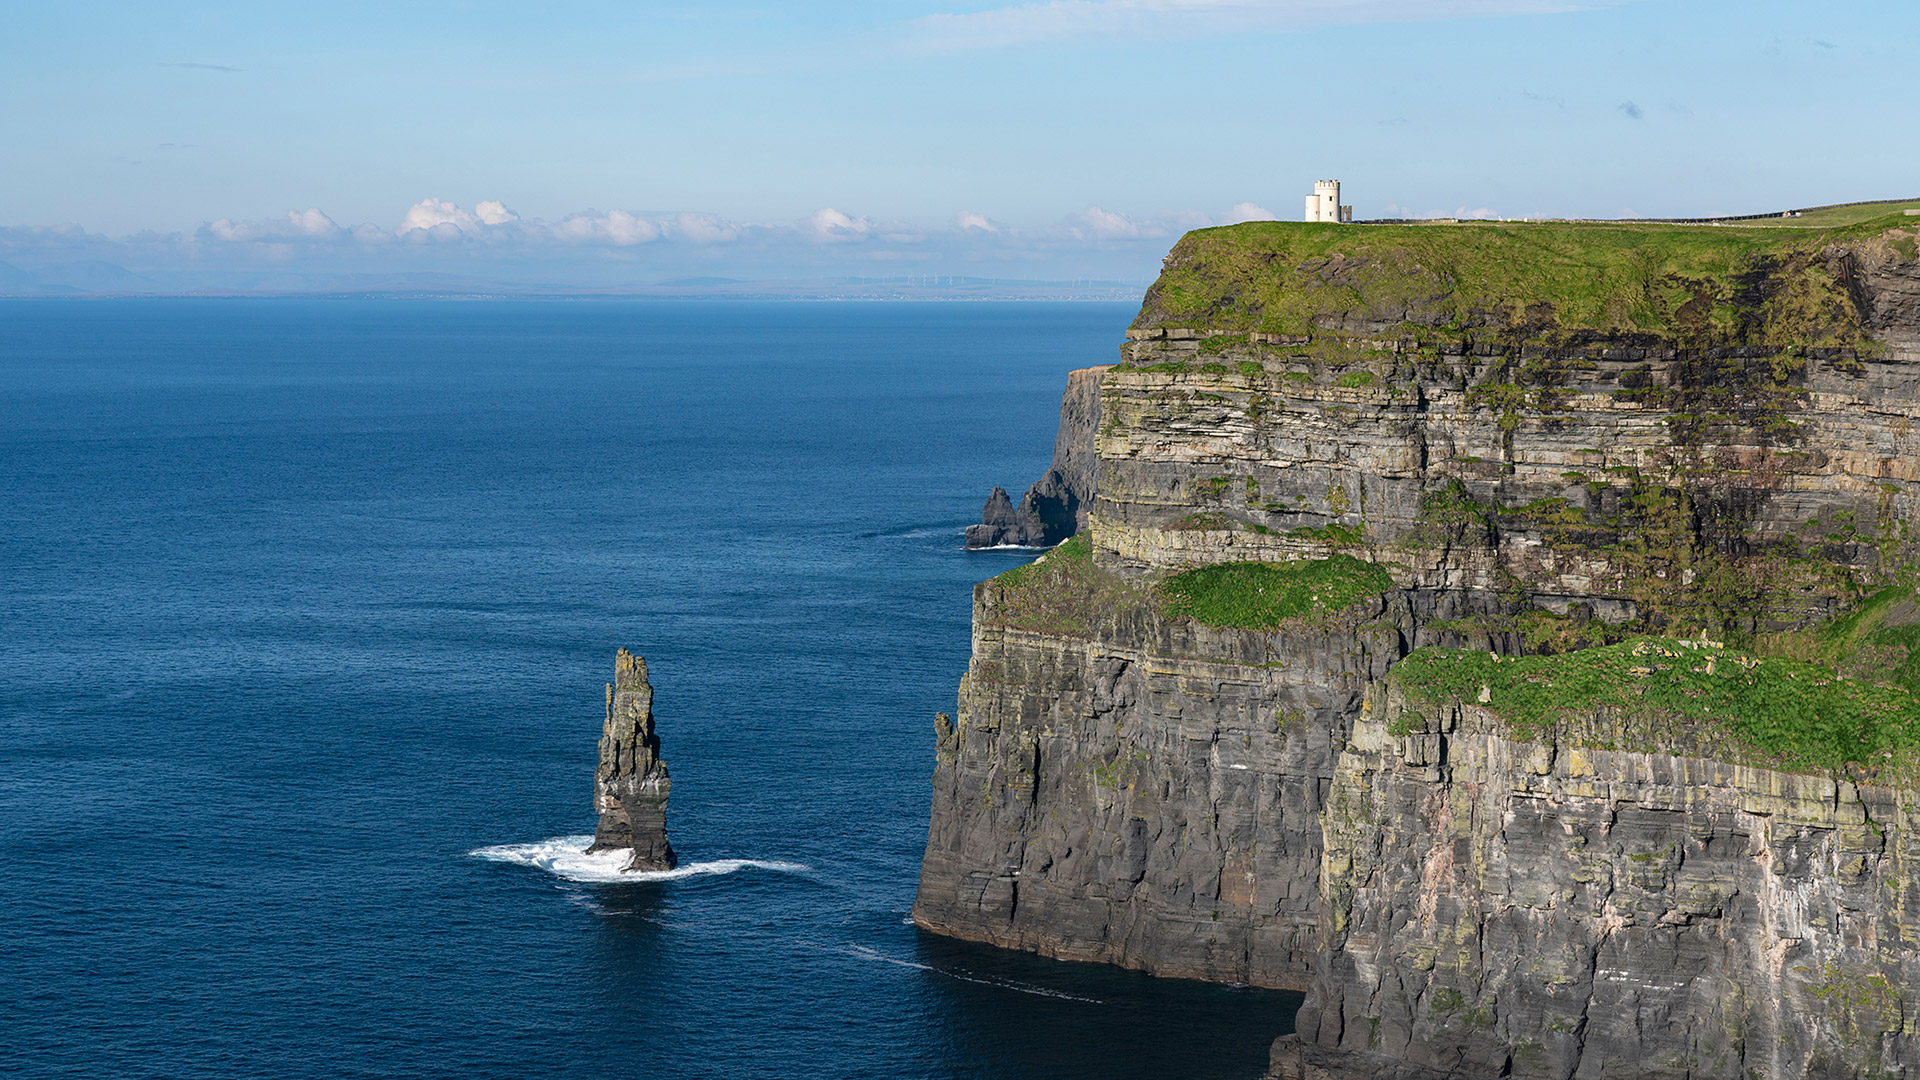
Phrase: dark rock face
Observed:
(630, 786)
(1294, 1059)
(1145, 793)
(1056, 506)
(1547, 909)
(1143, 796)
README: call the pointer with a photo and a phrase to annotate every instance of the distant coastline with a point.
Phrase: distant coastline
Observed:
(19, 285)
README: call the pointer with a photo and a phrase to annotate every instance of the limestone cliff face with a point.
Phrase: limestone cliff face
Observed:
(1547, 909)
(1452, 474)
(630, 786)
(1056, 506)
(1143, 791)
(1718, 432)
(1585, 465)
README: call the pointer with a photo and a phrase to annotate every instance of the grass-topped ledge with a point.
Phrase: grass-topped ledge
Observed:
(1672, 695)
(1063, 592)
(1265, 595)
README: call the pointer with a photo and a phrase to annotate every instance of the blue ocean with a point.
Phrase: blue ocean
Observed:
(306, 612)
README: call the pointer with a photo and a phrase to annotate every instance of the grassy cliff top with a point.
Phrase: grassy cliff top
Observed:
(1779, 280)
(1819, 710)
(1830, 216)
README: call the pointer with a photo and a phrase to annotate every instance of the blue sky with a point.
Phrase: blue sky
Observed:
(604, 142)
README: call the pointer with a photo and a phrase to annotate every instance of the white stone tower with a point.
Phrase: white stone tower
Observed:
(1324, 203)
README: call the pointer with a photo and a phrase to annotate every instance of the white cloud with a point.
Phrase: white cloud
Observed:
(1057, 20)
(309, 224)
(445, 232)
(227, 229)
(492, 226)
(430, 213)
(1107, 225)
(706, 228)
(492, 212)
(830, 226)
(1247, 211)
(617, 227)
(312, 223)
(492, 242)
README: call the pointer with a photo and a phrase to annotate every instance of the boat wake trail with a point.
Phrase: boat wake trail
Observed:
(864, 953)
(566, 857)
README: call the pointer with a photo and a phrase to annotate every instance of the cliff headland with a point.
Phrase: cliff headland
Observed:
(1503, 632)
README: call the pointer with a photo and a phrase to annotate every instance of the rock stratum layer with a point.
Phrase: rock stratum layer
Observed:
(1540, 439)
(1056, 506)
(1546, 908)
(630, 786)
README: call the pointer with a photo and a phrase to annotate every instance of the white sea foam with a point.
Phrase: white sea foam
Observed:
(566, 857)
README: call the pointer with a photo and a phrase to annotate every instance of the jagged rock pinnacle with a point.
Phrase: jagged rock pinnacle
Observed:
(630, 787)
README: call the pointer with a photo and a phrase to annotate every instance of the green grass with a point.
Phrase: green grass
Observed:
(1264, 596)
(1659, 694)
(1063, 593)
(1698, 282)
(1072, 554)
(1879, 640)
(1836, 216)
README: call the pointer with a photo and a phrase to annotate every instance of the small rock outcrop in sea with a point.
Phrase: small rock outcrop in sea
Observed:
(630, 787)
(1056, 506)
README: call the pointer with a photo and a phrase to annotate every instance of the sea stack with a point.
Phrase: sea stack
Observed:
(630, 787)
(1056, 506)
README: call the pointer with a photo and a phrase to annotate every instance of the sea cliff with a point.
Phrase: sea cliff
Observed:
(1543, 907)
(1183, 743)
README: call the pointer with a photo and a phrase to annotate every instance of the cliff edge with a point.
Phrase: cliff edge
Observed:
(630, 785)
(1332, 453)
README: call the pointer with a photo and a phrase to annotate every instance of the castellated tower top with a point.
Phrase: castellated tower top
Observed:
(1324, 203)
